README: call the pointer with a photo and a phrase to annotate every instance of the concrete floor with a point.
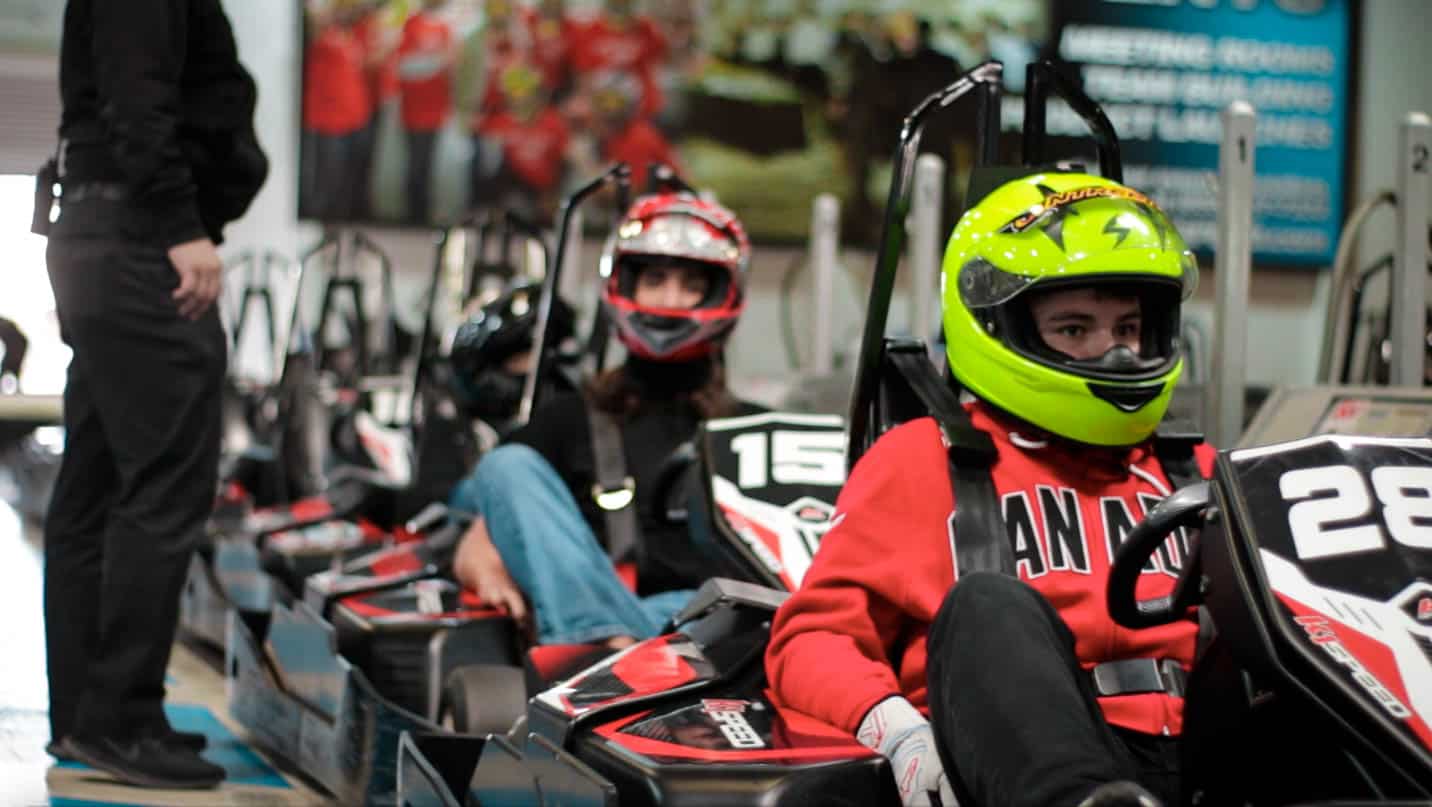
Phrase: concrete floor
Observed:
(29, 777)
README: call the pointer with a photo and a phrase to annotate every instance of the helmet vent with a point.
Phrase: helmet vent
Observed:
(1127, 399)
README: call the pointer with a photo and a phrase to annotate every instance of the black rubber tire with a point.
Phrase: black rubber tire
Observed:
(483, 699)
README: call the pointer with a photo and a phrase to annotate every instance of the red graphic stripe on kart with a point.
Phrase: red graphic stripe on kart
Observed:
(1375, 656)
(741, 523)
(656, 748)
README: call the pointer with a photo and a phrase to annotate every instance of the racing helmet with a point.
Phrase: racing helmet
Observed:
(1056, 231)
(483, 343)
(682, 229)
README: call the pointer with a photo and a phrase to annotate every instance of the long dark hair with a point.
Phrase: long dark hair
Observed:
(622, 393)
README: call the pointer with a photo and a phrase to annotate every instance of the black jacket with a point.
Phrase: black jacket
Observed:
(559, 430)
(155, 99)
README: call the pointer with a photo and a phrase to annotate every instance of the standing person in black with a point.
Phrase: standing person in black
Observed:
(158, 153)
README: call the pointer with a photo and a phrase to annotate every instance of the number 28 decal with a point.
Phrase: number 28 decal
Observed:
(1326, 525)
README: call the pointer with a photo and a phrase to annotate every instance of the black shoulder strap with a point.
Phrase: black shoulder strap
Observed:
(614, 490)
(1173, 446)
(981, 541)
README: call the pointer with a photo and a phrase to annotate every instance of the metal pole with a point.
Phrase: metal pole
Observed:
(1233, 263)
(824, 252)
(926, 213)
(1408, 329)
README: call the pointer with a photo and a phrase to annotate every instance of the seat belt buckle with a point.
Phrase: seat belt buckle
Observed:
(617, 498)
(1138, 676)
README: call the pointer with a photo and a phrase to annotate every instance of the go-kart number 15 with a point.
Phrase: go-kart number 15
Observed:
(1404, 491)
(789, 458)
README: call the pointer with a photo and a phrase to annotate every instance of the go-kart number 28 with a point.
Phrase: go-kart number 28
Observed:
(789, 458)
(1321, 523)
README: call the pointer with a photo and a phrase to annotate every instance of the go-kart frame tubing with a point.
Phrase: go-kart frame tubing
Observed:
(336, 281)
(620, 174)
(1340, 310)
(1407, 329)
(824, 251)
(984, 82)
(1233, 261)
(1040, 77)
(257, 267)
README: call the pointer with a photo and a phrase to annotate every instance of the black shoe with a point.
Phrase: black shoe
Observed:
(191, 740)
(1120, 794)
(151, 762)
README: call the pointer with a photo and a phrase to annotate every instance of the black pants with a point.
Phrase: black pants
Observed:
(142, 422)
(421, 148)
(1015, 718)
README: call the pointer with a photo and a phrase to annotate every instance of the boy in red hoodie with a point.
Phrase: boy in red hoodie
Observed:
(1061, 316)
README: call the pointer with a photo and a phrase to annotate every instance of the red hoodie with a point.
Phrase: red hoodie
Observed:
(882, 572)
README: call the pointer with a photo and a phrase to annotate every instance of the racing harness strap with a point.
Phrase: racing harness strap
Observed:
(614, 490)
(983, 543)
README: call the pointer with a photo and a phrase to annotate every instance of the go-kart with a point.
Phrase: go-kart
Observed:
(1312, 562)
(683, 718)
(330, 681)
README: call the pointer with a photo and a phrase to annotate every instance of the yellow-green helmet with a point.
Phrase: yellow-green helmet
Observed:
(1059, 230)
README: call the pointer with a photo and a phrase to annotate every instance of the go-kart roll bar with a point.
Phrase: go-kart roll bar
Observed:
(620, 174)
(1040, 77)
(1343, 277)
(1233, 267)
(985, 82)
(1407, 328)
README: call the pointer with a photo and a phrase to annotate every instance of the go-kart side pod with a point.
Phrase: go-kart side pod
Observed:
(305, 703)
(682, 719)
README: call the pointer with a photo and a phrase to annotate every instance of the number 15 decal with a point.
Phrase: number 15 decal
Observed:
(795, 458)
(1320, 522)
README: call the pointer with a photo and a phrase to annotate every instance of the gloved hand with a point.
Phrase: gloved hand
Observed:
(897, 730)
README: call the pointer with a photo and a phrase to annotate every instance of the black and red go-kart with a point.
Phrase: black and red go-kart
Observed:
(331, 681)
(1313, 561)
(683, 718)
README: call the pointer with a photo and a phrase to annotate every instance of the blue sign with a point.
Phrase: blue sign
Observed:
(1164, 69)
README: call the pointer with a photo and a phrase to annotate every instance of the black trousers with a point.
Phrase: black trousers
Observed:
(1015, 718)
(421, 148)
(142, 421)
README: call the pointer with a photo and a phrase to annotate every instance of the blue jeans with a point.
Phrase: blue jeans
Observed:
(552, 555)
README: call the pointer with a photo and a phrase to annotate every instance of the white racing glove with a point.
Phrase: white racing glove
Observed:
(897, 730)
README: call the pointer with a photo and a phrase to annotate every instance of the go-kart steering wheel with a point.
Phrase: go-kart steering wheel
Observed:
(1185, 508)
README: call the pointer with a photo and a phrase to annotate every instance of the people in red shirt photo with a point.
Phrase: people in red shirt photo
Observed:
(379, 43)
(518, 154)
(621, 40)
(425, 57)
(553, 35)
(337, 109)
(978, 681)
(607, 109)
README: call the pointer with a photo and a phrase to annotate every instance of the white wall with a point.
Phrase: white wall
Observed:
(1285, 309)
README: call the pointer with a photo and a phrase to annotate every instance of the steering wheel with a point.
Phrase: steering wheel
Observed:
(1185, 508)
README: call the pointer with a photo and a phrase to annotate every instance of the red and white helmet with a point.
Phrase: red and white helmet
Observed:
(683, 228)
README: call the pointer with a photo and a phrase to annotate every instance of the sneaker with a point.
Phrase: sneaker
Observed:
(149, 762)
(1120, 794)
(192, 740)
